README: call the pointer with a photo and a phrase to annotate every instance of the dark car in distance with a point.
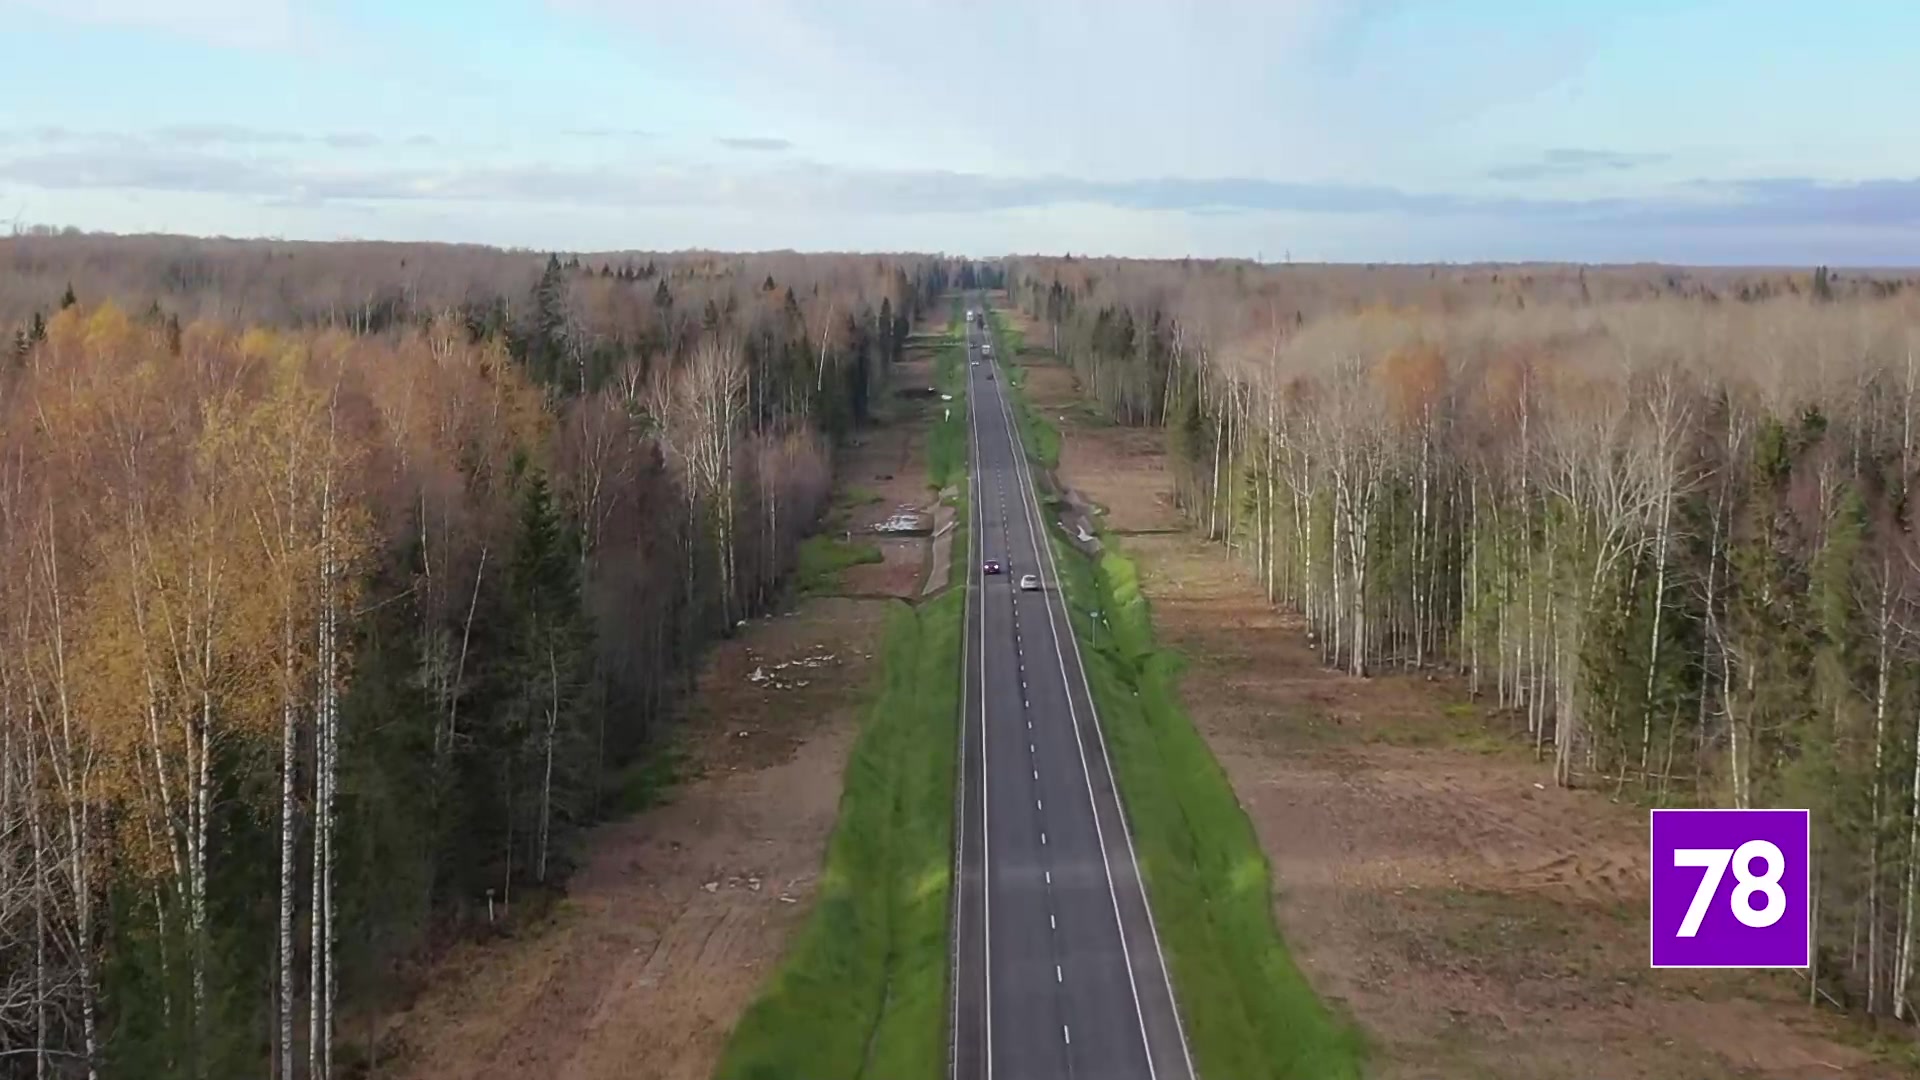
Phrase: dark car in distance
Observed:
(991, 566)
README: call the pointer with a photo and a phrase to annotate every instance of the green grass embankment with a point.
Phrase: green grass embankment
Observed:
(1249, 1013)
(947, 440)
(822, 558)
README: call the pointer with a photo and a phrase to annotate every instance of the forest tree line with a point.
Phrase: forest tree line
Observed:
(1663, 518)
(322, 635)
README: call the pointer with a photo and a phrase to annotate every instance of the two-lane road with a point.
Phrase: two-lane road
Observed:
(1058, 970)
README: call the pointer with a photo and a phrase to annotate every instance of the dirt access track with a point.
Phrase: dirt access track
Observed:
(678, 914)
(1429, 880)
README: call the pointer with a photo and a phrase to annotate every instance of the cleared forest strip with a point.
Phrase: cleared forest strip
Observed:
(862, 991)
(678, 912)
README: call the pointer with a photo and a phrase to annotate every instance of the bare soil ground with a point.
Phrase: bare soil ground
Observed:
(1475, 921)
(677, 914)
(887, 471)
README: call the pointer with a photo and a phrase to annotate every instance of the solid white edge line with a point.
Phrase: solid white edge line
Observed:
(1166, 973)
(986, 836)
(960, 794)
(1036, 534)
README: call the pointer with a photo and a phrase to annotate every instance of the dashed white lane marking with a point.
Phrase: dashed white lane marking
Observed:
(1031, 750)
(1037, 805)
(1043, 839)
(1057, 976)
(1067, 1034)
(1049, 874)
(1053, 923)
(1036, 774)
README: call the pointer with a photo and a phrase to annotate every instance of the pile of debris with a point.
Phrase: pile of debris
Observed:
(904, 519)
(785, 675)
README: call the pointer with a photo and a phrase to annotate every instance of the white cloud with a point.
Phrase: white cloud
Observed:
(1082, 86)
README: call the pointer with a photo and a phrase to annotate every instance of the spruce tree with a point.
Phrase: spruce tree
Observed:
(551, 645)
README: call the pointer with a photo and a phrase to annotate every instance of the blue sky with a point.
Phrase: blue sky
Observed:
(1348, 130)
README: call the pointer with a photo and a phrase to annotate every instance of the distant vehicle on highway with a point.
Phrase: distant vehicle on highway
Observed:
(989, 376)
(991, 566)
(1029, 583)
(986, 350)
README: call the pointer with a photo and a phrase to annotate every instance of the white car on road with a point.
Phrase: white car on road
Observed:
(1029, 583)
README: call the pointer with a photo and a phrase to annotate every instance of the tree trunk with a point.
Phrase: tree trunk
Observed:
(1653, 648)
(1881, 678)
(289, 737)
(1904, 968)
(546, 777)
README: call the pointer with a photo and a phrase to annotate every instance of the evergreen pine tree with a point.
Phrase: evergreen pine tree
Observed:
(551, 643)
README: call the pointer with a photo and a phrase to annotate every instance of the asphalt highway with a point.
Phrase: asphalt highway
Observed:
(1058, 970)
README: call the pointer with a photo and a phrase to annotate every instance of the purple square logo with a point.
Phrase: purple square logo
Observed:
(1729, 888)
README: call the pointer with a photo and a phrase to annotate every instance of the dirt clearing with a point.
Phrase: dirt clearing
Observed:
(676, 915)
(1475, 921)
